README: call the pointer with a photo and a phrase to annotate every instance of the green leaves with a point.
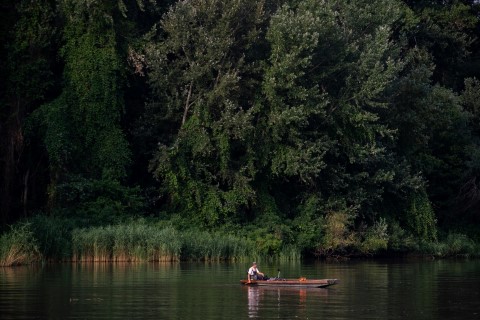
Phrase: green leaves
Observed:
(317, 127)
(293, 103)
(197, 71)
(330, 67)
(93, 79)
(83, 136)
(291, 111)
(421, 218)
(446, 30)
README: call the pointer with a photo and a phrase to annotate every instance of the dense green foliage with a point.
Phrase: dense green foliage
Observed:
(203, 91)
(261, 127)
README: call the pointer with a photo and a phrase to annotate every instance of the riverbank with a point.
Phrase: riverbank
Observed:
(128, 242)
(50, 239)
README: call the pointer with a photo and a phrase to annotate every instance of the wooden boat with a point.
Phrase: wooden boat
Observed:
(297, 283)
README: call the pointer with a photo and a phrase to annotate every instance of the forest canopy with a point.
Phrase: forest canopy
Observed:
(316, 123)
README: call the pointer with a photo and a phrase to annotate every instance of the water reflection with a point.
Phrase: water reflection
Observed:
(368, 290)
(253, 300)
(282, 301)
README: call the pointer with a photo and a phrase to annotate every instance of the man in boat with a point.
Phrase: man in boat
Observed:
(254, 273)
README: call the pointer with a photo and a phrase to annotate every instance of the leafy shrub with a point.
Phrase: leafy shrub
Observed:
(376, 238)
(98, 202)
(269, 244)
(399, 239)
(339, 236)
(421, 217)
(309, 225)
(459, 244)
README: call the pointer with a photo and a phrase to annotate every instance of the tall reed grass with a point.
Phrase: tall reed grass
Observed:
(53, 236)
(198, 245)
(132, 242)
(142, 242)
(18, 246)
(46, 238)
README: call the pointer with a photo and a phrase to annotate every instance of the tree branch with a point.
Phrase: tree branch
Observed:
(187, 104)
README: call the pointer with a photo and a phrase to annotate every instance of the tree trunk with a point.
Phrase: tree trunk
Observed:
(11, 146)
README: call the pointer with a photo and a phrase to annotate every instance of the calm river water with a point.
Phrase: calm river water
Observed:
(368, 290)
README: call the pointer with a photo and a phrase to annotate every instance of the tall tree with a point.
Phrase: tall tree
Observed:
(28, 39)
(204, 75)
(467, 200)
(447, 30)
(432, 128)
(325, 86)
(87, 148)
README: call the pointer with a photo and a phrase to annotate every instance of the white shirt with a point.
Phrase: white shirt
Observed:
(253, 271)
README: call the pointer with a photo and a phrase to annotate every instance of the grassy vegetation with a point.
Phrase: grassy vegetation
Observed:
(18, 246)
(44, 238)
(215, 246)
(142, 242)
(128, 242)
(455, 244)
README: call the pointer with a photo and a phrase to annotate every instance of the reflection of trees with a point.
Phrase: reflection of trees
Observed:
(57, 291)
(38, 291)
(382, 290)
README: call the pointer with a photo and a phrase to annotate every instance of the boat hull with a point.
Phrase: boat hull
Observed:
(297, 283)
